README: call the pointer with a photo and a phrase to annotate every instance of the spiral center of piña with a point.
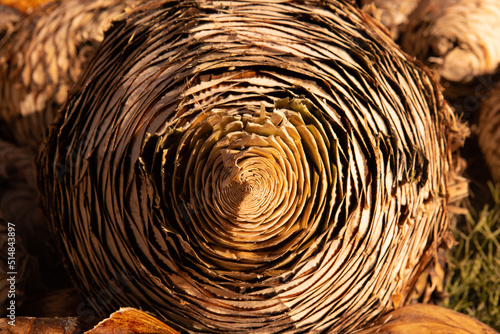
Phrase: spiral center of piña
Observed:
(247, 186)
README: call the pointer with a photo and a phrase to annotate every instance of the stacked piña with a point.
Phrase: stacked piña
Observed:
(41, 58)
(456, 38)
(459, 39)
(426, 319)
(242, 166)
(42, 54)
(8, 19)
(393, 14)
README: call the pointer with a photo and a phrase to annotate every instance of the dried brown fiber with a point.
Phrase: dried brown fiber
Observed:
(243, 166)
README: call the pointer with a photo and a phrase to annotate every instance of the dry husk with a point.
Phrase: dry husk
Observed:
(31, 325)
(131, 321)
(123, 321)
(40, 60)
(457, 38)
(242, 166)
(417, 318)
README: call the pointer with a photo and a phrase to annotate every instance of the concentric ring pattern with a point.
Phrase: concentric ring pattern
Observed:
(249, 167)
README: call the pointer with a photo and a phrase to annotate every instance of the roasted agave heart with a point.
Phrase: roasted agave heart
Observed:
(250, 167)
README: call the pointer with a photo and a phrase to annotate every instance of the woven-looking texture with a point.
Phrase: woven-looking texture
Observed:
(41, 58)
(8, 19)
(458, 38)
(250, 167)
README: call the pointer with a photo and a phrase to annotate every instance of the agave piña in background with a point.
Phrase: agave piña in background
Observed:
(393, 14)
(8, 18)
(426, 319)
(41, 58)
(43, 51)
(458, 39)
(247, 166)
